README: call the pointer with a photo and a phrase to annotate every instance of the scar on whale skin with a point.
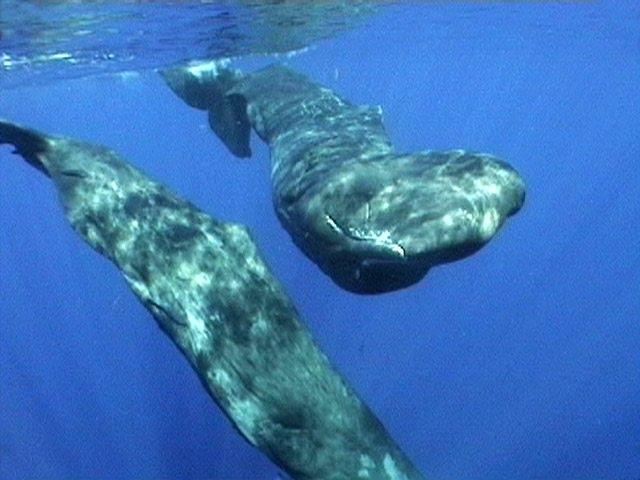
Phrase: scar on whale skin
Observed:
(205, 283)
(372, 219)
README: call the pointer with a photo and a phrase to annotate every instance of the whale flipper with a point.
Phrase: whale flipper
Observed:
(28, 143)
(373, 219)
(207, 286)
(210, 90)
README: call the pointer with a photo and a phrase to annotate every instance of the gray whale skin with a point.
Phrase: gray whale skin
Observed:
(209, 290)
(372, 219)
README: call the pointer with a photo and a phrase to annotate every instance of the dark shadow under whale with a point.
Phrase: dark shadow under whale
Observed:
(205, 283)
(373, 219)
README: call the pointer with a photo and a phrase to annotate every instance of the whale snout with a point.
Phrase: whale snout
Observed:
(384, 225)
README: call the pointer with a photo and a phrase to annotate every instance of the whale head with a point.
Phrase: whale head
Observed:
(380, 225)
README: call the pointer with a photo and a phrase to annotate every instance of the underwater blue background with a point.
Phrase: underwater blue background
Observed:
(520, 362)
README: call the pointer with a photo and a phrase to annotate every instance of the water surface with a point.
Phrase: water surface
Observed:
(520, 362)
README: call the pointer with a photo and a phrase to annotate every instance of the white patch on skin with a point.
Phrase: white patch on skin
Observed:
(366, 463)
(220, 377)
(332, 223)
(186, 270)
(93, 236)
(245, 412)
(198, 332)
(139, 288)
(189, 271)
(491, 189)
(397, 249)
(257, 267)
(391, 469)
(259, 327)
(489, 223)
(212, 240)
(487, 187)
(125, 245)
(447, 220)
(113, 185)
(379, 237)
(201, 279)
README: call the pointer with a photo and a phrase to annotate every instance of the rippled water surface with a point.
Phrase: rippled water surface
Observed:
(43, 41)
(47, 40)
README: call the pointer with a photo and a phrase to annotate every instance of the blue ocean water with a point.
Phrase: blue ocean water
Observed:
(520, 362)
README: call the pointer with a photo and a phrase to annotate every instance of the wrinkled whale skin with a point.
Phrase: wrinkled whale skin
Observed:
(205, 283)
(373, 219)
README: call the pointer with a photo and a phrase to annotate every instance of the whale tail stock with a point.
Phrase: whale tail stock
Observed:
(28, 143)
(210, 87)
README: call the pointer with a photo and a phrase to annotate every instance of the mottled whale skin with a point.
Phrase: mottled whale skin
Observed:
(373, 219)
(205, 283)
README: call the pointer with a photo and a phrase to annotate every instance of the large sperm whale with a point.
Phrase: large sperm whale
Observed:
(205, 283)
(373, 219)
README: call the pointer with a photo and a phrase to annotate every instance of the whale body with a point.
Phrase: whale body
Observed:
(371, 218)
(205, 283)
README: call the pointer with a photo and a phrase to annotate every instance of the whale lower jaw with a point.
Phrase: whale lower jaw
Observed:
(374, 274)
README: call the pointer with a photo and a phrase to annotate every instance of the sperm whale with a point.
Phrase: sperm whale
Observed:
(205, 283)
(372, 219)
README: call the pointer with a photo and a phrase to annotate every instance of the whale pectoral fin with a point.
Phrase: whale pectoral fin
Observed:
(229, 121)
(210, 87)
(28, 143)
